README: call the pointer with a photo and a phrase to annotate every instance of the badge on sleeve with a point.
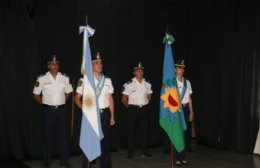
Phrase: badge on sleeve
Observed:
(37, 84)
(80, 83)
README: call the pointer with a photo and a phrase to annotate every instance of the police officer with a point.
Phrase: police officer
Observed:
(185, 92)
(136, 96)
(105, 90)
(52, 90)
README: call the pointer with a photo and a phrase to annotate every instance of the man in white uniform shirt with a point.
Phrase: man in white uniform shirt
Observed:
(185, 92)
(52, 90)
(106, 108)
(136, 96)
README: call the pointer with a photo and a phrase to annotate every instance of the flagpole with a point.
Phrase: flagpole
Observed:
(167, 28)
(170, 106)
(72, 110)
(172, 155)
(86, 20)
(86, 25)
(88, 163)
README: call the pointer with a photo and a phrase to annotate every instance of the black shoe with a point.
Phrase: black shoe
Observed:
(65, 165)
(185, 163)
(147, 154)
(178, 164)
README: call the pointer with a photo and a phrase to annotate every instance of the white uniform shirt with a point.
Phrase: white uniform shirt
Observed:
(103, 100)
(188, 92)
(137, 92)
(53, 90)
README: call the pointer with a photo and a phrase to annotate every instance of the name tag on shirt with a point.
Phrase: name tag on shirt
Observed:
(47, 83)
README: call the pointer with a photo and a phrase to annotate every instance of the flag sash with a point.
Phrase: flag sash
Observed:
(100, 85)
(183, 89)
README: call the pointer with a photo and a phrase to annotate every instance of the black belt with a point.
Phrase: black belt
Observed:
(53, 107)
(139, 106)
(103, 110)
(185, 105)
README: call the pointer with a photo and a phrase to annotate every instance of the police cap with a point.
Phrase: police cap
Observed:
(53, 60)
(180, 63)
(96, 57)
(139, 65)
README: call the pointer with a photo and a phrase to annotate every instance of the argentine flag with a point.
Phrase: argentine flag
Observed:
(91, 132)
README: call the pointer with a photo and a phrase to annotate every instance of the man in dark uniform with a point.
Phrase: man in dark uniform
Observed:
(52, 90)
(104, 90)
(136, 96)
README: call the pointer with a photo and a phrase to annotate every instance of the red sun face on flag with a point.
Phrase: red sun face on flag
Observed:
(171, 99)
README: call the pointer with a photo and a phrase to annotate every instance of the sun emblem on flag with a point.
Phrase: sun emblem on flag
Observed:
(88, 101)
(171, 100)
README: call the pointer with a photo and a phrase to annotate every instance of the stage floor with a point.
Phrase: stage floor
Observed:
(202, 157)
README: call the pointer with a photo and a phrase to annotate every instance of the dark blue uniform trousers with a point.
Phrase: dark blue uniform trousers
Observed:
(137, 118)
(55, 119)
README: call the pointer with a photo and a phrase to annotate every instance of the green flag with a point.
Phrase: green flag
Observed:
(171, 113)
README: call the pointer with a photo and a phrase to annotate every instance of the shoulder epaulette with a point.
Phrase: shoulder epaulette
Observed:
(148, 81)
(40, 75)
(129, 81)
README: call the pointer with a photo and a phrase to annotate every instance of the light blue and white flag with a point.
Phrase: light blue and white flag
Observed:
(91, 132)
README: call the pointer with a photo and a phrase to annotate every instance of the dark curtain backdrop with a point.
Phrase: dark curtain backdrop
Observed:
(225, 40)
(218, 39)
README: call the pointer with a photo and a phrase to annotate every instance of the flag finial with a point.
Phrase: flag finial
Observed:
(168, 38)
